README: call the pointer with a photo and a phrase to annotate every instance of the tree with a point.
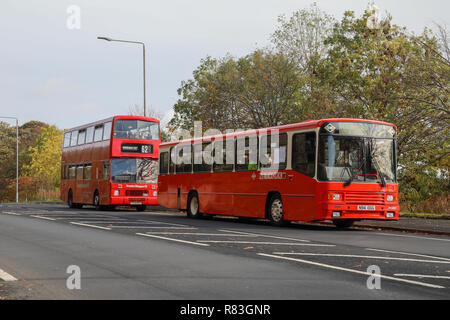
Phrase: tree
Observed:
(258, 90)
(45, 165)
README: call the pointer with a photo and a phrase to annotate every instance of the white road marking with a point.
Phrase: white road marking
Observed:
(270, 243)
(90, 225)
(170, 224)
(358, 256)
(352, 270)
(421, 276)
(12, 213)
(203, 234)
(147, 227)
(45, 218)
(264, 235)
(409, 254)
(170, 239)
(6, 276)
(405, 236)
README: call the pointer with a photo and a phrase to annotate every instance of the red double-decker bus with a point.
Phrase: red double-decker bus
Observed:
(342, 170)
(111, 162)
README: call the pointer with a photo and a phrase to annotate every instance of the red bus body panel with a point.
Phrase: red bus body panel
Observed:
(304, 198)
(98, 152)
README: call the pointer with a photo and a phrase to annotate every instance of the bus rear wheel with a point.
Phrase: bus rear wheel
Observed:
(275, 211)
(97, 201)
(193, 206)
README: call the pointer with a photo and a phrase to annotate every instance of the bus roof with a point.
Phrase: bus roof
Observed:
(119, 117)
(288, 127)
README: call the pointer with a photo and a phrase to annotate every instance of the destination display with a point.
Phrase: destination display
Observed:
(137, 148)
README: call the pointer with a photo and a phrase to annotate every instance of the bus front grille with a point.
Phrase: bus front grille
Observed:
(134, 193)
(364, 198)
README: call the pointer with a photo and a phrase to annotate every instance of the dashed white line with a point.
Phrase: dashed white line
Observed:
(351, 270)
(203, 234)
(6, 276)
(90, 225)
(45, 218)
(264, 235)
(269, 243)
(170, 239)
(409, 254)
(12, 213)
(421, 276)
(358, 256)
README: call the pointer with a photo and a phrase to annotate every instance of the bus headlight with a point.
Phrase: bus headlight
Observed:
(390, 197)
(155, 193)
(116, 192)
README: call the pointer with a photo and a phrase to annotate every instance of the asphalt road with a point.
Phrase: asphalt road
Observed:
(126, 254)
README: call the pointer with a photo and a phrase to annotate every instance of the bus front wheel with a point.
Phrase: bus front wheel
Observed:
(193, 207)
(275, 211)
(343, 224)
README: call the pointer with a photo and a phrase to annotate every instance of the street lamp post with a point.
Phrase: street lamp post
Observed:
(17, 156)
(143, 56)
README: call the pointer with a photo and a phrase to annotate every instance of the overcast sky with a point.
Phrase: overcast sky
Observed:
(67, 77)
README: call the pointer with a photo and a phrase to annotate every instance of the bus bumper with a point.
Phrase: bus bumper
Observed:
(362, 212)
(133, 201)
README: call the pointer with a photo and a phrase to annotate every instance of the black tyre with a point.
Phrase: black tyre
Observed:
(96, 201)
(343, 224)
(70, 200)
(275, 212)
(193, 206)
(141, 208)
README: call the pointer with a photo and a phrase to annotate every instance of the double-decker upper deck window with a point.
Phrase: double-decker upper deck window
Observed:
(66, 140)
(89, 134)
(107, 130)
(81, 136)
(98, 133)
(136, 129)
(74, 139)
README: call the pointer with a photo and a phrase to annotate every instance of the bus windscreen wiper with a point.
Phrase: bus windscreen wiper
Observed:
(350, 180)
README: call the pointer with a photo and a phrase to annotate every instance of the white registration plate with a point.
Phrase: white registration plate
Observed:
(366, 208)
(135, 203)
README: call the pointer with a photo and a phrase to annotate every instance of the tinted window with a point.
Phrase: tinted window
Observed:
(203, 157)
(72, 172)
(224, 156)
(66, 140)
(74, 139)
(98, 133)
(184, 159)
(87, 175)
(136, 129)
(105, 173)
(81, 137)
(80, 172)
(107, 131)
(304, 153)
(164, 162)
(90, 134)
(247, 153)
(273, 151)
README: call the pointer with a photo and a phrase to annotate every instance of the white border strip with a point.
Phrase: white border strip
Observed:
(45, 218)
(353, 271)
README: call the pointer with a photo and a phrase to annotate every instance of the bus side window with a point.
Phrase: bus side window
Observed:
(224, 156)
(184, 158)
(87, 174)
(80, 172)
(247, 154)
(172, 160)
(66, 139)
(164, 163)
(105, 171)
(203, 158)
(72, 172)
(304, 153)
(89, 134)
